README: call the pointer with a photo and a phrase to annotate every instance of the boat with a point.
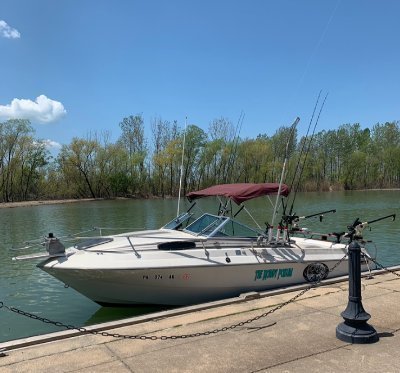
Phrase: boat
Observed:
(192, 259)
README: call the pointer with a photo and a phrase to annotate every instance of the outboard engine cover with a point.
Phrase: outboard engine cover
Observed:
(54, 246)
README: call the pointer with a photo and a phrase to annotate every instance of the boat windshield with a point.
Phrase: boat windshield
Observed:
(178, 222)
(219, 226)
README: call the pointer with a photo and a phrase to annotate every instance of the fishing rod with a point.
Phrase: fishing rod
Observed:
(304, 142)
(393, 216)
(292, 129)
(301, 152)
(356, 229)
(231, 158)
(306, 155)
(321, 214)
(290, 219)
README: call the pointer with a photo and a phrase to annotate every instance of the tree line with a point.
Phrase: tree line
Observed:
(135, 166)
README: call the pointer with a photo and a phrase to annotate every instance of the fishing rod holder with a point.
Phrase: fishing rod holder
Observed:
(356, 229)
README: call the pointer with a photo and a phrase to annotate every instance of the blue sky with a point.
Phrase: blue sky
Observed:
(72, 67)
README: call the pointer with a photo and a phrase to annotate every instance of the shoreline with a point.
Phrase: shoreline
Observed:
(72, 200)
(5, 205)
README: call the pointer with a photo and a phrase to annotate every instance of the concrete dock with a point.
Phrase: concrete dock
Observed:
(299, 337)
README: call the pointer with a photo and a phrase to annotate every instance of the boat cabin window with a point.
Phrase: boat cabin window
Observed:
(220, 226)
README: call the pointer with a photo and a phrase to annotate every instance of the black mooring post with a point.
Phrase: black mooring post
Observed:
(355, 328)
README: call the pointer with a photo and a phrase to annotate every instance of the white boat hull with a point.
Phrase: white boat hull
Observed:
(182, 286)
(192, 276)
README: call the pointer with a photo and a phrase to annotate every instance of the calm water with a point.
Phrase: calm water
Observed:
(24, 286)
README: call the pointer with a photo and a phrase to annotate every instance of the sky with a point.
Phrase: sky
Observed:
(80, 66)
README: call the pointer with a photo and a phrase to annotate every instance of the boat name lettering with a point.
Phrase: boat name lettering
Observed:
(264, 274)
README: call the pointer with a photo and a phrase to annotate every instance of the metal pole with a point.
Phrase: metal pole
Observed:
(355, 328)
(181, 175)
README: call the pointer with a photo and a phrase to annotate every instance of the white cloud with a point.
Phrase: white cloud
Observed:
(42, 110)
(50, 144)
(8, 32)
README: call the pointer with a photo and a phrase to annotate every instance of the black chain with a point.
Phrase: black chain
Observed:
(164, 337)
(383, 267)
(338, 263)
(153, 337)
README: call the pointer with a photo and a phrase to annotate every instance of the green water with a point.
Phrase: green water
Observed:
(24, 286)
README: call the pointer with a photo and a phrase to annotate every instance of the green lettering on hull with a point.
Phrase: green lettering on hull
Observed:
(266, 274)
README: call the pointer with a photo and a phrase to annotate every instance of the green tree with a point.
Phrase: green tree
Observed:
(78, 163)
(22, 159)
(134, 141)
(195, 141)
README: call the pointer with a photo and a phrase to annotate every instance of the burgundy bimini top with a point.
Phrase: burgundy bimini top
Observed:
(240, 192)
